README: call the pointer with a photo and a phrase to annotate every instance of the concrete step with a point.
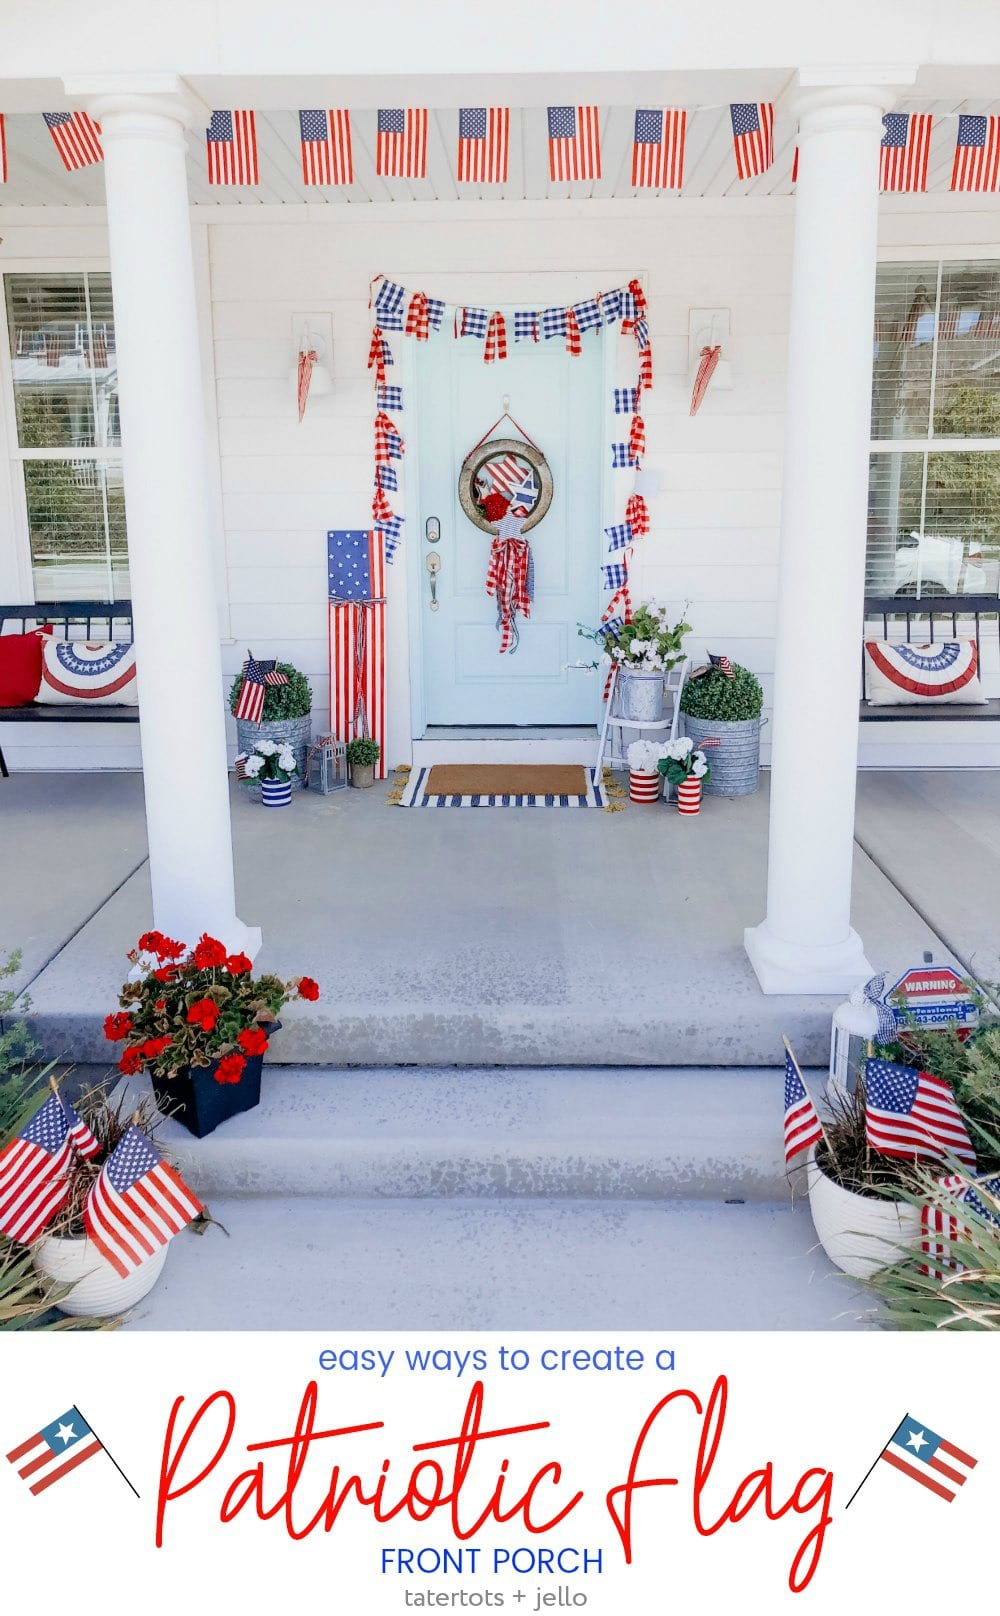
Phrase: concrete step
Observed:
(498, 1133)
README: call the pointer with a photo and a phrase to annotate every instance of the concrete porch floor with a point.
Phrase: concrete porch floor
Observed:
(467, 937)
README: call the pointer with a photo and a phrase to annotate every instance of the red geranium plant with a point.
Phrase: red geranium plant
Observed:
(196, 1007)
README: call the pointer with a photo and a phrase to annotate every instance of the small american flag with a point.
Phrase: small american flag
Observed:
(77, 138)
(137, 1204)
(574, 143)
(977, 154)
(803, 1128)
(401, 142)
(910, 1113)
(325, 138)
(33, 1169)
(906, 146)
(753, 136)
(940, 1227)
(483, 145)
(924, 1456)
(54, 1451)
(255, 676)
(658, 148)
(723, 664)
(231, 144)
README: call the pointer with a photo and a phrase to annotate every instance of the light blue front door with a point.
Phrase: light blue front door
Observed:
(557, 399)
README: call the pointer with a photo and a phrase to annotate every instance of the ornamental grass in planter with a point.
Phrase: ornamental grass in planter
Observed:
(715, 706)
(199, 1021)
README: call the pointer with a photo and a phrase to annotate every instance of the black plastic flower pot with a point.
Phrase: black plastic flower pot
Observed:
(200, 1103)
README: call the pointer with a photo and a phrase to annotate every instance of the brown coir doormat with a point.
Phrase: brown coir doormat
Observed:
(506, 779)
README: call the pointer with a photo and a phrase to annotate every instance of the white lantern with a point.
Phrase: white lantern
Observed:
(855, 1026)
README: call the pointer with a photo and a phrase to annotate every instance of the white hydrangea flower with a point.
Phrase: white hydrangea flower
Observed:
(266, 748)
(686, 745)
(253, 766)
(699, 766)
(286, 761)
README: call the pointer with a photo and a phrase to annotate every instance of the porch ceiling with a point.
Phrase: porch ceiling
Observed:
(37, 176)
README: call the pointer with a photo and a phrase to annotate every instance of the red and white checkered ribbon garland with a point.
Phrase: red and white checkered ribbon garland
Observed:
(507, 580)
(382, 511)
(385, 431)
(573, 343)
(377, 355)
(417, 321)
(637, 438)
(637, 515)
(496, 339)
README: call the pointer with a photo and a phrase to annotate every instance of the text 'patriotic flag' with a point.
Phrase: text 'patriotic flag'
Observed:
(977, 154)
(574, 143)
(256, 675)
(137, 1204)
(906, 146)
(54, 1451)
(753, 136)
(325, 138)
(401, 142)
(910, 1113)
(924, 1456)
(483, 145)
(231, 144)
(658, 148)
(77, 138)
(33, 1169)
(803, 1128)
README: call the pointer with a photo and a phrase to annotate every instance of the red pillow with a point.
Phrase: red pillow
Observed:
(20, 668)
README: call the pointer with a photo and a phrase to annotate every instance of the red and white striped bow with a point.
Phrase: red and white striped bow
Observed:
(637, 515)
(306, 362)
(637, 438)
(507, 580)
(417, 322)
(377, 355)
(706, 370)
(496, 339)
(573, 343)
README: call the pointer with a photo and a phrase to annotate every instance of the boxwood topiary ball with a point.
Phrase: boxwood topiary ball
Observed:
(731, 701)
(293, 700)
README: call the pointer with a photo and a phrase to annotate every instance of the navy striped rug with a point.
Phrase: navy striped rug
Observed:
(415, 796)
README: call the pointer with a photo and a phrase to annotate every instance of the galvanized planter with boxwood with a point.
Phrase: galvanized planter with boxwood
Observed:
(286, 718)
(715, 707)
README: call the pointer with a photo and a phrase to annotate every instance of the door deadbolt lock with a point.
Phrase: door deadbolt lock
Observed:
(432, 529)
(433, 564)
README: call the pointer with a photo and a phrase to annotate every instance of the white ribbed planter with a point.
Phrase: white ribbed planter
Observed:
(859, 1233)
(98, 1291)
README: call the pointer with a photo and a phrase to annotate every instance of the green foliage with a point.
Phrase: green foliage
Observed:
(963, 1293)
(16, 1044)
(648, 644)
(293, 700)
(362, 751)
(714, 695)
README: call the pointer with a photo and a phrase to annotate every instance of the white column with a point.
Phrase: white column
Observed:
(179, 665)
(806, 943)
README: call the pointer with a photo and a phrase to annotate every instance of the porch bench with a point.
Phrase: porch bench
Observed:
(99, 619)
(931, 607)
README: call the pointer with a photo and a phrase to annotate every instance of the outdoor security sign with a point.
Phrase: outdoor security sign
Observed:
(933, 995)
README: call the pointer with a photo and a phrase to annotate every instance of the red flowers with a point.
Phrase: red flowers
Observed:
(209, 953)
(154, 942)
(117, 1027)
(204, 1013)
(166, 973)
(238, 965)
(308, 989)
(130, 1062)
(252, 1040)
(230, 1069)
(154, 1047)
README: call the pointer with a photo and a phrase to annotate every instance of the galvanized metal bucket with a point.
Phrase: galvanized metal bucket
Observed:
(639, 696)
(735, 762)
(296, 731)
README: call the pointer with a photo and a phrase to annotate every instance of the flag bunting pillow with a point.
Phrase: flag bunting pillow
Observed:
(102, 674)
(898, 673)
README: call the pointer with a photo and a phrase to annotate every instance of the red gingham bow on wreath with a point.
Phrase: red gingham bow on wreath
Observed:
(496, 339)
(417, 323)
(507, 579)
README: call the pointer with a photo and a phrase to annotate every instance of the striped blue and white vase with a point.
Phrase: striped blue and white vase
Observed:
(276, 793)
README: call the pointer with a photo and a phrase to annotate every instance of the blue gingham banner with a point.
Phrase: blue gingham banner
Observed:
(525, 325)
(611, 306)
(628, 304)
(389, 306)
(553, 322)
(622, 456)
(626, 400)
(392, 533)
(588, 315)
(642, 334)
(385, 477)
(620, 535)
(614, 575)
(435, 313)
(389, 398)
(474, 322)
(613, 626)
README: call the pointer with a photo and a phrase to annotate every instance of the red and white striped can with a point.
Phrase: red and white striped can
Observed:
(689, 795)
(643, 787)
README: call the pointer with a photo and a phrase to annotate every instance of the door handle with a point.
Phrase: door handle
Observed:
(433, 565)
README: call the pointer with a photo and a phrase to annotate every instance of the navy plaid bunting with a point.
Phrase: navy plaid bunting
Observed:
(389, 398)
(626, 400)
(392, 532)
(474, 322)
(613, 626)
(588, 315)
(642, 334)
(622, 456)
(620, 535)
(553, 322)
(385, 477)
(615, 575)
(526, 325)
(435, 313)
(611, 306)
(389, 306)
(628, 309)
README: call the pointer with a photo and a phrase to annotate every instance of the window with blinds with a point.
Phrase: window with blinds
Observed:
(934, 487)
(64, 370)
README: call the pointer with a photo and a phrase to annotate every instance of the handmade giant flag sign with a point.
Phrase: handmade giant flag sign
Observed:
(137, 1204)
(574, 143)
(483, 145)
(231, 144)
(906, 146)
(658, 148)
(911, 1114)
(325, 138)
(803, 1128)
(256, 675)
(357, 636)
(924, 1456)
(77, 138)
(33, 1169)
(401, 142)
(54, 1451)
(753, 136)
(977, 154)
